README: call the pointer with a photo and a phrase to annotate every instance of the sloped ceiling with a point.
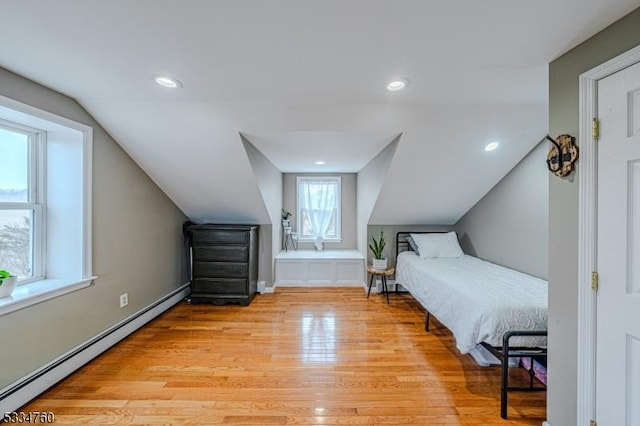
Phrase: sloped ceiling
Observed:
(276, 68)
(339, 152)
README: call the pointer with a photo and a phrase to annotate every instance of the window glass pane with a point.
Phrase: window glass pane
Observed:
(14, 181)
(16, 242)
(332, 230)
(318, 207)
(306, 224)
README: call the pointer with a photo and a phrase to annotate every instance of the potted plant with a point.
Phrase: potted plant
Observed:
(377, 247)
(285, 218)
(7, 283)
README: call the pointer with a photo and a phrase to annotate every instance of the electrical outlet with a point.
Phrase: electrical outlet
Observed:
(124, 299)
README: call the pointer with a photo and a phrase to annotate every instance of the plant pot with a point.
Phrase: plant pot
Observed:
(286, 223)
(8, 285)
(380, 264)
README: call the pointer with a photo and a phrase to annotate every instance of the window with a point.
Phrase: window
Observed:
(44, 157)
(21, 200)
(319, 213)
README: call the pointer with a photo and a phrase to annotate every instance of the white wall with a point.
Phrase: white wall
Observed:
(370, 181)
(435, 176)
(509, 225)
(269, 181)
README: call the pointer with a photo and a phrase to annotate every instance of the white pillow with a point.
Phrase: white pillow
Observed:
(438, 245)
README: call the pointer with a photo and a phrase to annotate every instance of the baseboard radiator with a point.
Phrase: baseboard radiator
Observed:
(27, 388)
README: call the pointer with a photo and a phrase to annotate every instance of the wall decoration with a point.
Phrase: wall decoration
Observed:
(562, 155)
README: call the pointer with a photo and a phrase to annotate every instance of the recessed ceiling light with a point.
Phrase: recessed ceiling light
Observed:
(491, 146)
(397, 85)
(168, 82)
(320, 163)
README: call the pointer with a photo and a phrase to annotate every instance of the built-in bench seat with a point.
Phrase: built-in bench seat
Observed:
(309, 268)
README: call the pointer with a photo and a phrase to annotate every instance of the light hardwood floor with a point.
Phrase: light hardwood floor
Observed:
(296, 357)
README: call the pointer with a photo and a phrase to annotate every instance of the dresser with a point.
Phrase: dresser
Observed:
(224, 263)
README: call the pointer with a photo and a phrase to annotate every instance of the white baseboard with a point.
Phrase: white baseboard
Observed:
(270, 289)
(326, 284)
(546, 424)
(25, 389)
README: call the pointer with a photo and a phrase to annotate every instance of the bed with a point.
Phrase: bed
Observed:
(487, 307)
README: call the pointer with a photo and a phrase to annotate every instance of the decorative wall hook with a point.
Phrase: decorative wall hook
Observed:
(562, 155)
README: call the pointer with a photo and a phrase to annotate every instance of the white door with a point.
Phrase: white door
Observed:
(618, 302)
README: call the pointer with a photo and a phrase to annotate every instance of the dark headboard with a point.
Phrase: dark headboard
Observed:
(401, 239)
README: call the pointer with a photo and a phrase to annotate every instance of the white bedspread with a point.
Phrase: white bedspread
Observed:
(477, 300)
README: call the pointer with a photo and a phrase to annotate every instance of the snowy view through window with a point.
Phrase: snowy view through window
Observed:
(16, 216)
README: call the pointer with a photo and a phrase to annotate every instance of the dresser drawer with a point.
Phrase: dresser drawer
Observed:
(220, 270)
(220, 237)
(221, 254)
(224, 262)
(221, 286)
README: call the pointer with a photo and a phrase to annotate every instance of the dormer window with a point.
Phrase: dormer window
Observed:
(319, 213)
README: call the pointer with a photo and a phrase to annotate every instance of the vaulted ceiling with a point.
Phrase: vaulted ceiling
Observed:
(305, 80)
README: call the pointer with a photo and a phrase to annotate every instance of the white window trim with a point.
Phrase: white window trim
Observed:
(36, 197)
(38, 291)
(338, 179)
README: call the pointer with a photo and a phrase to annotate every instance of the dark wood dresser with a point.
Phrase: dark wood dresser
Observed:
(224, 263)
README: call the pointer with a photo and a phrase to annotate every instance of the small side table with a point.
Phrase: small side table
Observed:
(383, 274)
(289, 239)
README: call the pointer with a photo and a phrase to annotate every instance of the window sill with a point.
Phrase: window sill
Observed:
(39, 291)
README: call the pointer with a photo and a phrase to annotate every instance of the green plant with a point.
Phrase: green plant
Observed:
(3, 275)
(285, 214)
(378, 245)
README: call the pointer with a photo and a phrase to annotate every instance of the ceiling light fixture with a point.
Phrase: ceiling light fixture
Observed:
(491, 146)
(320, 163)
(397, 85)
(168, 82)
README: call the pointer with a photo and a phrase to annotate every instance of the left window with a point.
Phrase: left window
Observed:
(45, 203)
(22, 200)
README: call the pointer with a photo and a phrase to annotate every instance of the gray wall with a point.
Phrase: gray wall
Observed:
(370, 180)
(509, 225)
(348, 199)
(390, 232)
(137, 247)
(563, 213)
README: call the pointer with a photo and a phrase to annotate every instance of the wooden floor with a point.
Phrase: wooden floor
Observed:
(295, 357)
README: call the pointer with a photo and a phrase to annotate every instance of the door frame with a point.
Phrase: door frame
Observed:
(587, 230)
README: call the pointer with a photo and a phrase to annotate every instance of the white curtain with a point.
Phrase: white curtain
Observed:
(319, 200)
